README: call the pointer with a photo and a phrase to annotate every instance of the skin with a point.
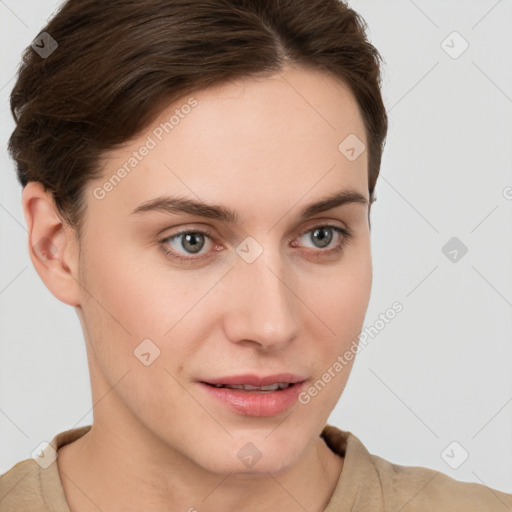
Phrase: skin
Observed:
(264, 148)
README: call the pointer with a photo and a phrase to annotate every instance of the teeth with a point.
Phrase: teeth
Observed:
(249, 387)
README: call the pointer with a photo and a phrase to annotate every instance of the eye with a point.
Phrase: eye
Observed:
(322, 237)
(192, 242)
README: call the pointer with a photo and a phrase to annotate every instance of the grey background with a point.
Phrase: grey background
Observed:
(437, 373)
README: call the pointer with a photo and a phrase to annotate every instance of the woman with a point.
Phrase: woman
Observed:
(197, 183)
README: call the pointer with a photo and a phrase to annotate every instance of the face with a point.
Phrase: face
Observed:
(174, 302)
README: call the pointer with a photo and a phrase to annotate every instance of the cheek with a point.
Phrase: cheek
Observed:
(356, 278)
(117, 302)
(133, 297)
(340, 303)
(128, 291)
(340, 294)
(122, 308)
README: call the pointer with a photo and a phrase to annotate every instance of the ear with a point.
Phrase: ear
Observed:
(52, 245)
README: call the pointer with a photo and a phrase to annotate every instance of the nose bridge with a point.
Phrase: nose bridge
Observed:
(264, 309)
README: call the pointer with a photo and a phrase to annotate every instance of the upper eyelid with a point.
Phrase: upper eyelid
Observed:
(314, 224)
(317, 223)
(310, 224)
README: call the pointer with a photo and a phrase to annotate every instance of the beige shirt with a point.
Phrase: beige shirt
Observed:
(367, 483)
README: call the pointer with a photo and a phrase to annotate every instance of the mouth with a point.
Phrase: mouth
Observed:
(278, 386)
(253, 395)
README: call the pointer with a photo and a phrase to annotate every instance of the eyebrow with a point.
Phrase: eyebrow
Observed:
(177, 204)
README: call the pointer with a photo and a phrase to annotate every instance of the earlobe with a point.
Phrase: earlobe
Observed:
(51, 244)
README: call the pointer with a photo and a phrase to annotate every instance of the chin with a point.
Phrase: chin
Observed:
(277, 464)
(246, 459)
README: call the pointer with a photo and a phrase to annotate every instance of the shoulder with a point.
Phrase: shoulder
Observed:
(418, 488)
(370, 482)
(20, 488)
(34, 485)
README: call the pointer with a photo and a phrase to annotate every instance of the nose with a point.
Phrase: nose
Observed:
(262, 308)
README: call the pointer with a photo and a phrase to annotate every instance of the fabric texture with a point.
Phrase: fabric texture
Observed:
(368, 483)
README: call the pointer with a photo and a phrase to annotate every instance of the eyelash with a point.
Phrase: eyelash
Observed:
(347, 234)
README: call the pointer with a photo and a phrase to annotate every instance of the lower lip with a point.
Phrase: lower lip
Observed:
(256, 403)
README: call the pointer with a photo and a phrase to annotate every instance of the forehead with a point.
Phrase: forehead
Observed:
(259, 142)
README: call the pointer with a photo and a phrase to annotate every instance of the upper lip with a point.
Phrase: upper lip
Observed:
(257, 380)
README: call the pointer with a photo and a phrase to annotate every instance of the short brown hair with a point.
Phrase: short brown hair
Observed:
(119, 61)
